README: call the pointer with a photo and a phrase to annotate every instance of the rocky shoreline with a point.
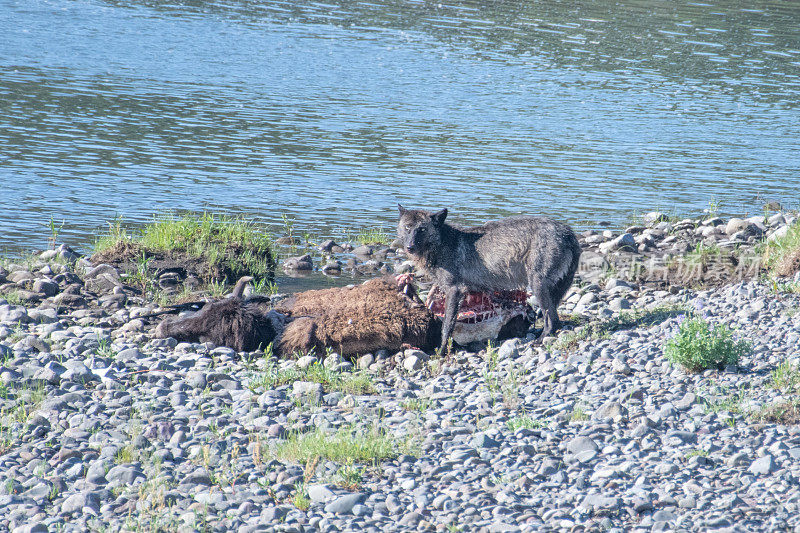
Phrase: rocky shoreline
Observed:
(105, 428)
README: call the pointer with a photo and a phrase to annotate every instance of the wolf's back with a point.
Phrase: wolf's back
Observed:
(508, 252)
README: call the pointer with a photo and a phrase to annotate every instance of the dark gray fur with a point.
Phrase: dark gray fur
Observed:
(242, 324)
(526, 252)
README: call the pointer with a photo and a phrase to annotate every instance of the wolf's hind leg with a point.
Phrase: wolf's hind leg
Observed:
(543, 292)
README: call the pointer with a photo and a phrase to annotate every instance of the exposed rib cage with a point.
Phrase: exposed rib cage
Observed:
(480, 306)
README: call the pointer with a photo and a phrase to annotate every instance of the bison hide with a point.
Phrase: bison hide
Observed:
(376, 314)
(233, 322)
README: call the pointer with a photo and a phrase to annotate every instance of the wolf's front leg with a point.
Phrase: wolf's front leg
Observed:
(453, 297)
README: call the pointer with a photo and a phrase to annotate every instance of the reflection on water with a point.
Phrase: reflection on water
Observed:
(333, 112)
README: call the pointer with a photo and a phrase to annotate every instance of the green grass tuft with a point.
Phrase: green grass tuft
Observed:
(13, 298)
(525, 421)
(786, 377)
(417, 404)
(371, 236)
(349, 476)
(347, 382)
(230, 244)
(300, 498)
(786, 412)
(347, 445)
(699, 345)
(781, 256)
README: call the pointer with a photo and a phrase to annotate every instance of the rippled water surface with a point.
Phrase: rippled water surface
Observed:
(333, 112)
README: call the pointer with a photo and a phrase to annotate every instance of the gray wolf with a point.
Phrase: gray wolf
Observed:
(517, 253)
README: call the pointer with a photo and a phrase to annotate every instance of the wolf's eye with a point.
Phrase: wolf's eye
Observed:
(421, 231)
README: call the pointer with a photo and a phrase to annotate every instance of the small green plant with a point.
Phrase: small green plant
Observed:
(13, 298)
(698, 345)
(490, 377)
(696, 453)
(217, 289)
(702, 254)
(417, 404)
(372, 236)
(264, 286)
(349, 476)
(786, 377)
(579, 414)
(104, 348)
(55, 229)
(346, 445)
(126, 454)
(6, 437)
(714, 205)
(288, 226)
(347, 382)
(725, 401)
(140, 275)
(27, 401)
(300, 498)
(781, 256)
(525, 421)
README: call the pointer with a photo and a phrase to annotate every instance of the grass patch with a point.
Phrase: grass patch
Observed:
(781, 256)
(696, 453)
(578, 414)
(356, 383)
(27, 402)
(349, 476)
(213, 247)
(525, 421)
(217, 289)
(347, 445)
(786, 377)
(300, 498)
(20, 405)
(265, 286)
(786, 413)
(13, 298)
(104, 348)
(780, 287)
(371, 236)
(569, 341)
(702, 254)
(698, 345)
(417, 404)
(731, 403)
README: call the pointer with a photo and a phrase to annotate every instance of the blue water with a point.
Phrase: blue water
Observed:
(332, 113)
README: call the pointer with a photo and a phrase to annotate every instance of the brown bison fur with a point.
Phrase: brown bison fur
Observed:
(233, 322)
(361, 319)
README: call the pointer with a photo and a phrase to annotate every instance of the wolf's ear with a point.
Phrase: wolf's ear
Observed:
(402, 209)
(439, 216)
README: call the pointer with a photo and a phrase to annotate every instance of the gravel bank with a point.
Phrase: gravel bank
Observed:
(105, 428)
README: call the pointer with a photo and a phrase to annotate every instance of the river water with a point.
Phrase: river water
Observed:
(333, 112)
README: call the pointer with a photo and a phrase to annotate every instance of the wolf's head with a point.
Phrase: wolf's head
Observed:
(420, 231)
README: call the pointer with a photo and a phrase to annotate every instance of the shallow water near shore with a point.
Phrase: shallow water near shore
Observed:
(332, 113)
